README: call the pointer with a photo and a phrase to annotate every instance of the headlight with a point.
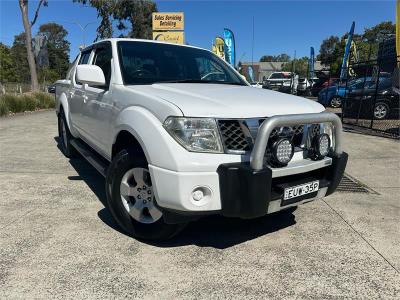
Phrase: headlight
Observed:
(283, 151)
(195, 134)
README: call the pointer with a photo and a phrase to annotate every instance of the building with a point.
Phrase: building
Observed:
(262, 70)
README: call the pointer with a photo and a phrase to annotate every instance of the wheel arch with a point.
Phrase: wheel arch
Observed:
(125, 139)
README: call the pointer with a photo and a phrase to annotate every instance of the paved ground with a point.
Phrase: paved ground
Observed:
(58, 241)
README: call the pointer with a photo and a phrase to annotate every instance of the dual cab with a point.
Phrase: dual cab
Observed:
(179, 134)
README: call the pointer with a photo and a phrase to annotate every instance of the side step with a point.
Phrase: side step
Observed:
(98, 162)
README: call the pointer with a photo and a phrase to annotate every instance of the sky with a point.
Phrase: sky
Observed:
(279, 26)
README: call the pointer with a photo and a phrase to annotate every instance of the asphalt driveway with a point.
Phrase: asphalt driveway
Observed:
(57, 240)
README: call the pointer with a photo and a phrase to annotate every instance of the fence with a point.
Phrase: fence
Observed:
(371, 96)
(19, 88)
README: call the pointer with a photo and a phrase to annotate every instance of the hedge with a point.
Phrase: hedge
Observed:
(25, 102)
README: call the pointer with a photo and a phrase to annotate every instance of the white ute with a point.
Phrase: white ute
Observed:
(179, 134)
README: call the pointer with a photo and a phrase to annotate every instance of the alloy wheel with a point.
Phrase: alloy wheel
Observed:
(137, 196)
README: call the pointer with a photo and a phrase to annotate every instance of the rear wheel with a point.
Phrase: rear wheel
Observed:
(131, 200)
(64, 137)
(381, 111)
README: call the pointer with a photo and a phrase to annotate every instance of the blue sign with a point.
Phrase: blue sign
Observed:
(230, 54)
(343, 71)
(312, 63)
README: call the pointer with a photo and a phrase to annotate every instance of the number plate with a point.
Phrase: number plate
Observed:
(300, 190)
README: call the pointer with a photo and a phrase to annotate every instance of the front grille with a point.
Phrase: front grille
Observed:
(239, 135)
(233, 137)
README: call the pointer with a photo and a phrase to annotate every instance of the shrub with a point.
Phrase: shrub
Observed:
(25, 102)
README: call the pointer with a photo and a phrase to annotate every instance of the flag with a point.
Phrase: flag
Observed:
(312, 63)
(250, 71)
(343, 71)
(230, 51)
(220, 47)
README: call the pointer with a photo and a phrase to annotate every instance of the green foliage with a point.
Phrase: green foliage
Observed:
(132, 16)
(332, 49)
(25, 102)
(58, 51)
(7, 68)
(280, 57)
(300, 66)
(20, 61)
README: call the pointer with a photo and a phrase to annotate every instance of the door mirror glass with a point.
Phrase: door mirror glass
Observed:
(90, 74)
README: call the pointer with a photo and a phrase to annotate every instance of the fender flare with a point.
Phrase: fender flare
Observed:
(63, 103)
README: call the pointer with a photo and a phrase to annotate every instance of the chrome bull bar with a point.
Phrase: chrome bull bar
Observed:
(260, 145)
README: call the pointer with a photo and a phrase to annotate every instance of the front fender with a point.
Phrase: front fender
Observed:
(160, 148)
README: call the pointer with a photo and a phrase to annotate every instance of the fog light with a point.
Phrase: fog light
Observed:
(197, 195)
(322, 145)
(283, 151)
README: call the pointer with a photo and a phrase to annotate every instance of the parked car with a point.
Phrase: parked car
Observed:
(51, 89)
(379, 103)
(304, 87)
(178, 134)
(332, 96)
(285, 82)
(322, 83)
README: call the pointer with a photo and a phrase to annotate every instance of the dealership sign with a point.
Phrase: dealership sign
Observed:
(168, 21)
(176, 37)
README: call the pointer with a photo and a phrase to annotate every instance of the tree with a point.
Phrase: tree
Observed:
(328, 50)
(135, 16)
(58, 50)
(7, 69)
(300, 66)
(281, 57)
(19, 57)
(23, 5)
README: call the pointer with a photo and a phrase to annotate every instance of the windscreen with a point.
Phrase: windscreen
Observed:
(148, 63)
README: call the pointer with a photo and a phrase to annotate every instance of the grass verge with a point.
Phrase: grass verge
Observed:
(25, 102)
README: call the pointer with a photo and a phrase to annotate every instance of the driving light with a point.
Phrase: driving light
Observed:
(195, 134)
(282, 151)
(322, 145)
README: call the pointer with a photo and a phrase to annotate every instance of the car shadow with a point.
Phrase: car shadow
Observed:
(211, 231)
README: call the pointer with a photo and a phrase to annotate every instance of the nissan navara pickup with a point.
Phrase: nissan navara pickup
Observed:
(179, 134)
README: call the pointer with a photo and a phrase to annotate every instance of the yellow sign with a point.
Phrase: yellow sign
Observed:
(220, 47)
(176, 37)
(168, 21)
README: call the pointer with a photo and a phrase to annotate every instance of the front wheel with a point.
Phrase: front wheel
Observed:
(131, 200)
(336, 102)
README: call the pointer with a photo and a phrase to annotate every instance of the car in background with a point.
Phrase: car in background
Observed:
(332, 96)
(304, 87)
(380, 103)
(51, 89)
(285, 82)
(321, 84)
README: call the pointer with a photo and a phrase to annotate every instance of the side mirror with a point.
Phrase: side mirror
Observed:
(90, 74)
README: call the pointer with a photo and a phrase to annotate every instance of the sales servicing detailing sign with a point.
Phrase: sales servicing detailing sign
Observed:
(168, 27)
(168, 21)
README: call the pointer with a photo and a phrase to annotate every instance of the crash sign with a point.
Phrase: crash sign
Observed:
(168, 21)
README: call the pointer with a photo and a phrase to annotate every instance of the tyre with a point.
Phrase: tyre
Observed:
(64, 137)
(335, 102)
(131, 200)
(381, 111)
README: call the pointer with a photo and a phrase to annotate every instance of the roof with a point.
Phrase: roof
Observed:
(112, 40)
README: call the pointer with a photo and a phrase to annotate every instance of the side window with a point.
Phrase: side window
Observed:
(83, 60)
(102, 58)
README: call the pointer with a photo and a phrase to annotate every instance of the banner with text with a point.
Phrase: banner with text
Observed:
(230, 52)
(176, 37)
(168, 21)
(220, 47)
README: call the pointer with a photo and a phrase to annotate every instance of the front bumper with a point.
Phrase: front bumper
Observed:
(247, 193)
